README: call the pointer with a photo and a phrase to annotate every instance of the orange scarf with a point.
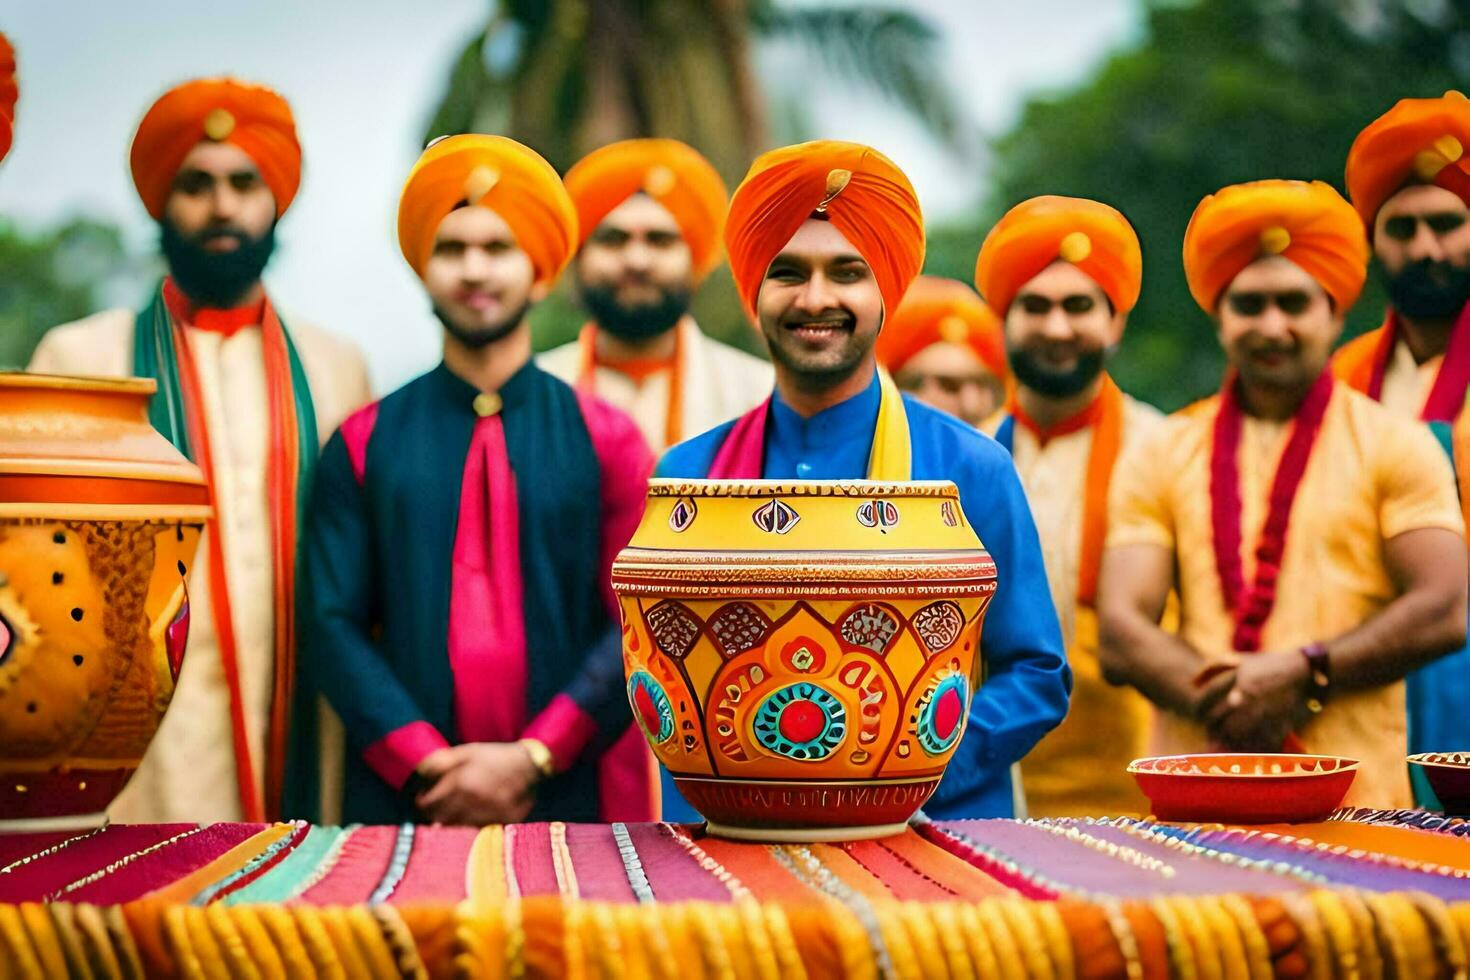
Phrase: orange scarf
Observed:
(282, 479)
(1104, 415)
(639, 371)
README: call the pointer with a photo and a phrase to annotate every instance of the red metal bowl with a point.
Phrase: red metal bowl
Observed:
(1449, 776)
(1244, 788)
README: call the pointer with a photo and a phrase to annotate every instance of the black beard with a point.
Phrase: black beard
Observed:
(1429, 290)
(636, 322)
(1056, 384)
(215, 280)
(481, 337)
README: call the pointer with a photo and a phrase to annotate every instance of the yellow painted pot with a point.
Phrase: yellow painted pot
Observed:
(100, 518)
(801, 655)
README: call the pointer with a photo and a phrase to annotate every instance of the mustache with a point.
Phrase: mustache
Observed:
(836, 318)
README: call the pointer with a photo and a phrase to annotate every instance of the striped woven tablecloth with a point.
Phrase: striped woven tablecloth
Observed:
(1369, 894)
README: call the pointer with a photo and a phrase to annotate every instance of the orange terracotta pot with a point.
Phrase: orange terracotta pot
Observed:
(801, 655)
(100, 518)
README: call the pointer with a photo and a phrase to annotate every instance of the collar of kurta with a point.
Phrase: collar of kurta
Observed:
(830, 427)
(225, 322)
(463, 396)
(877, 409)
(1362, 365)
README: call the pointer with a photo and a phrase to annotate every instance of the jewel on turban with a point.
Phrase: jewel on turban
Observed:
(1307, 223)
(1097, 239)
(496, 173)
(219, 110)
(1423, 141)
(937, 310)
(8, 93)
(858, 189)
(672, 173)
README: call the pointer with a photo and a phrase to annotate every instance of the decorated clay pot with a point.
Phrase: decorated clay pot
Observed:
(801, 655)
(99, 521)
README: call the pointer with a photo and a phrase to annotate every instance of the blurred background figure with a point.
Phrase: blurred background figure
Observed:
(1065, 273)
(1407, 176)
(216, 164)
(650, 214)
(943, 345)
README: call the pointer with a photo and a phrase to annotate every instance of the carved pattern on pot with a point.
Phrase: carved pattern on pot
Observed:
(675, 629)
(939, 624)
(738, 626)
(881, 514)
(869, 625)
(776, 517)
(683, 514)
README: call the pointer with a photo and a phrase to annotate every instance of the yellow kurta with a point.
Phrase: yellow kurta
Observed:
(189, 771)
(1371, 476)
(1080, 768)
(719, 384)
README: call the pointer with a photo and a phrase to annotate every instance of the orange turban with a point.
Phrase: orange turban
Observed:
(493, 172)
(1032, 235)
(222, 110)
(863, 194)
(934, 310)
(670, 172)
(8, 93)
(1416, 140)
(1310, 224)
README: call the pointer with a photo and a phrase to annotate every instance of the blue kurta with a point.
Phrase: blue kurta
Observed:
(1027, 681)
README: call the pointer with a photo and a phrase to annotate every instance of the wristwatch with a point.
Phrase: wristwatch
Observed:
(1319, 673)
(540, 755)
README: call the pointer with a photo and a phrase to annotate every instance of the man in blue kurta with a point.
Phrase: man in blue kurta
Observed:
(457, 612)
(823, 238)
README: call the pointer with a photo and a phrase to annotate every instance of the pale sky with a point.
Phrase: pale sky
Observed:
(362, 77)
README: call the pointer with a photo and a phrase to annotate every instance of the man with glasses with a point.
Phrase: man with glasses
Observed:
(1312, 536)
(1407, 176)
(1064, 272)
(943, 345)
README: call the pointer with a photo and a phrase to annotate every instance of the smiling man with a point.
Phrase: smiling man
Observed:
(650, 213)
(1064, 272)
(1312, 536)
(457, 610)
(216, 163)
(823, 239)
(1407, 176)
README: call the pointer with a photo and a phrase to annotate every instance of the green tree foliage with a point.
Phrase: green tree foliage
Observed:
(1217, 92)
(52, 277)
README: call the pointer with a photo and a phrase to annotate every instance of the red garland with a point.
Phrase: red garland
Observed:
(1252, 606)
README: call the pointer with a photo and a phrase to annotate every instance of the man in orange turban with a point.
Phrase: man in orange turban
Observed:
(650, 213)
(1408, 174)
(944, 345)
(1313, 537)
(8, 95)
(1064, 272)
(824, 238)
(216, 163)
(462, 531)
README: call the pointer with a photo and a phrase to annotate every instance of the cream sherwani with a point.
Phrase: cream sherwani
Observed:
(1079, 769)
(189, 771)
(719, 384)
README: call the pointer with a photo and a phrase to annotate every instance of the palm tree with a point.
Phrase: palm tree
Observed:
(566, 76)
